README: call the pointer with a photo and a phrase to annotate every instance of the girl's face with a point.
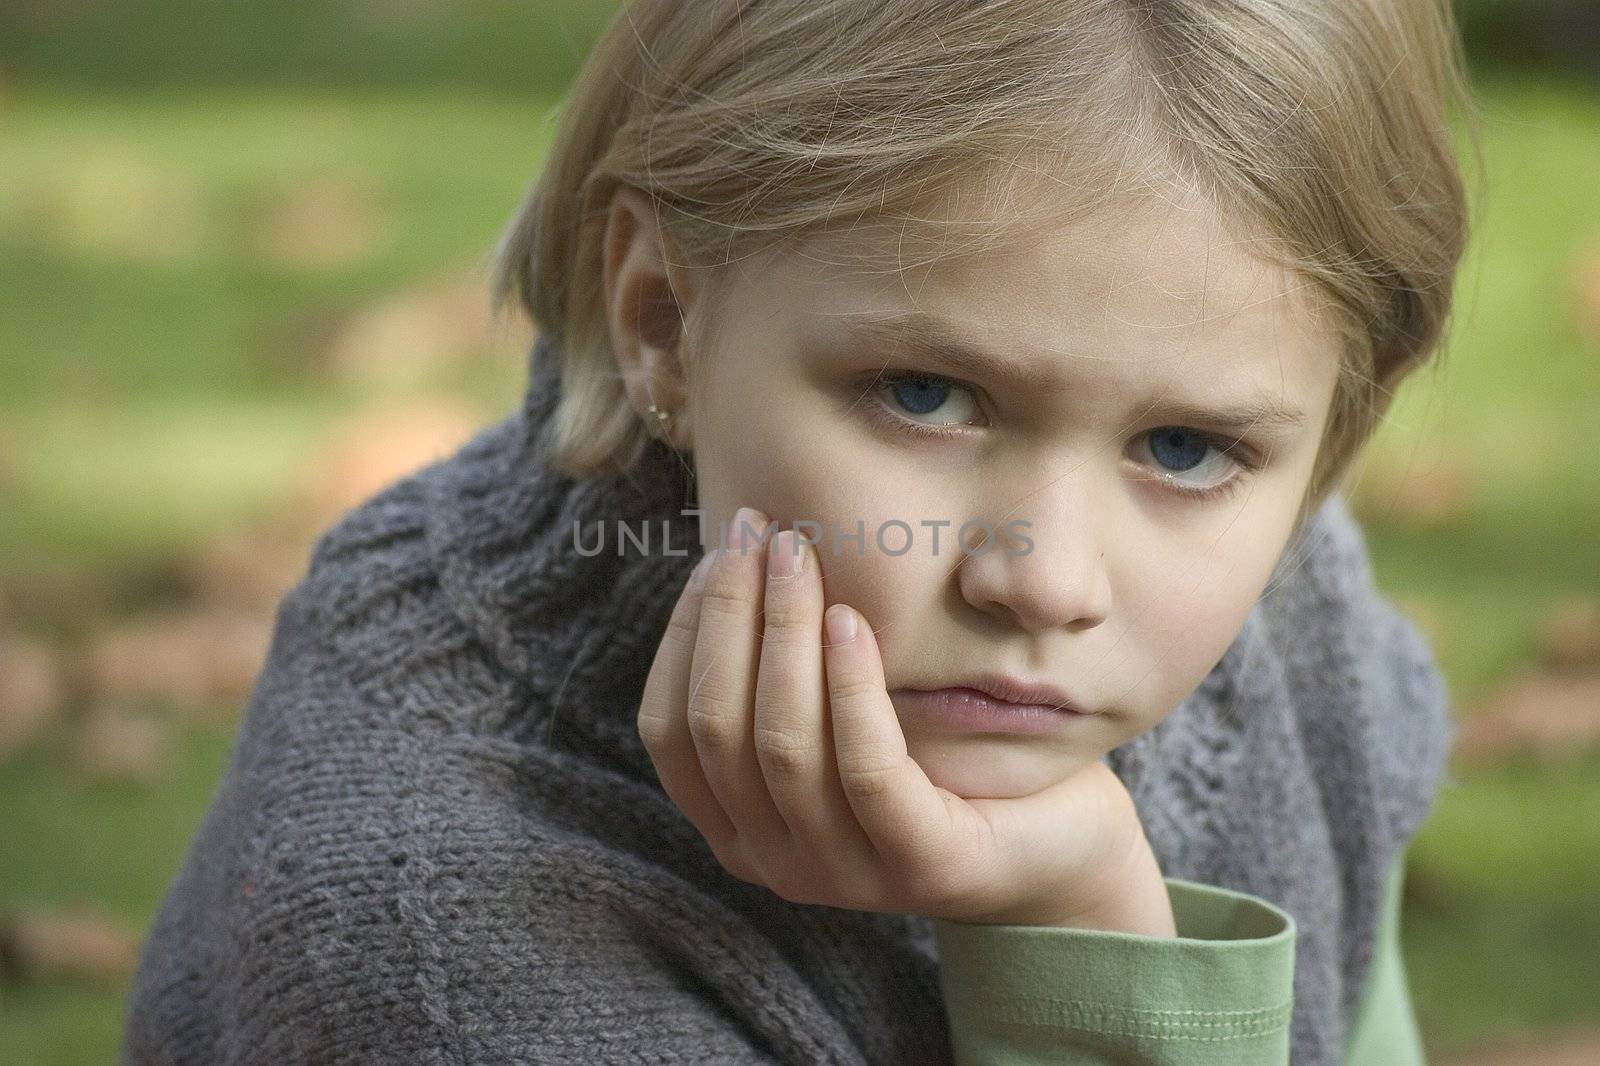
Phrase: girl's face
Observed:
(1083, 391)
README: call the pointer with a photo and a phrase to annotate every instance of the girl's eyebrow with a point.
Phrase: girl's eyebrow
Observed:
(944, 342)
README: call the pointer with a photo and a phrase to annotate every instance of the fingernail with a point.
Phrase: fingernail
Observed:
(748, 524)
(841, 622)
(783, 555)
(697, 576)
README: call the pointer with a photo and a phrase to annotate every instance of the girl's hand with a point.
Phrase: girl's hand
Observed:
(785, 751)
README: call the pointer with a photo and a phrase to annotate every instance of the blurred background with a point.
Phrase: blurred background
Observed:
(243, 254)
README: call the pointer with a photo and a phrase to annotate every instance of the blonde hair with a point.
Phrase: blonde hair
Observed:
(1320, 125)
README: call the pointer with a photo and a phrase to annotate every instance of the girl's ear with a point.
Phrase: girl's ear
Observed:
(648, 296)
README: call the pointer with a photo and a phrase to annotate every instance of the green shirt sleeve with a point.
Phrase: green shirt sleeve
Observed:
(1220, 992)
(1385, 1031)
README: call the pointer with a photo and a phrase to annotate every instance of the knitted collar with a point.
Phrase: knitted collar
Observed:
(502, 528)
(1296, 770)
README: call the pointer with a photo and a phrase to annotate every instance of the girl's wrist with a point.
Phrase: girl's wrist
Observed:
(1143, 907)
(1135, 901)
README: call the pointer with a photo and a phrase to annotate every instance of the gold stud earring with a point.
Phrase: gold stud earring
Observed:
(662, 418)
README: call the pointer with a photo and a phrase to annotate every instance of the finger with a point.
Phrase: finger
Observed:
(793, 736)
(900, 810)
(722, 685)
(663, 722)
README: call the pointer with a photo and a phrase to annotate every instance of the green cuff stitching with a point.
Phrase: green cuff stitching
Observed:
(1047, 1012)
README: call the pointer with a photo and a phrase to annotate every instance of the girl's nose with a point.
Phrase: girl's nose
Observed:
(1046, 571)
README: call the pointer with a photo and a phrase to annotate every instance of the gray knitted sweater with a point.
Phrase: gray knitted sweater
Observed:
(439, 838)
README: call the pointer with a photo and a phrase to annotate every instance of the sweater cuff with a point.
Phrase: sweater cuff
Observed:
(1221, 990)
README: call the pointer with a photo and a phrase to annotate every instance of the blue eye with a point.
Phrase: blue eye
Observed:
(1175, 450)
(920, 395)
(1178, 448)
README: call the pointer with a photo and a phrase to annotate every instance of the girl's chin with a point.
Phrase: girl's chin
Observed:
(987, 766)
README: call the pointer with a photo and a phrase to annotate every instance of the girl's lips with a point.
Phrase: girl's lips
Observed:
(969, 710)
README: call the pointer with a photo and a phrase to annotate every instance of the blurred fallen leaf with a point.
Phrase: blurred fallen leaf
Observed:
(39, 944)
(1580, 1048)
(31, 690)
(322, 224)
(379, 446)
(122, 746)
(1585, 285)
(53, 596)
(298, 341)
(201, 659)
(1548, 715)
(1426, 489)
(407, 338)
(248, 569)
(1569, 633)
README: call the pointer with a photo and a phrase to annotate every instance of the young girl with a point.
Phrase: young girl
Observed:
(1045, 711)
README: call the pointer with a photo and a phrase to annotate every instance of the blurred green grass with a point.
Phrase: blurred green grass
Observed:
(510, 46)
(161, 395)
(161, 392)
(1513, 394)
